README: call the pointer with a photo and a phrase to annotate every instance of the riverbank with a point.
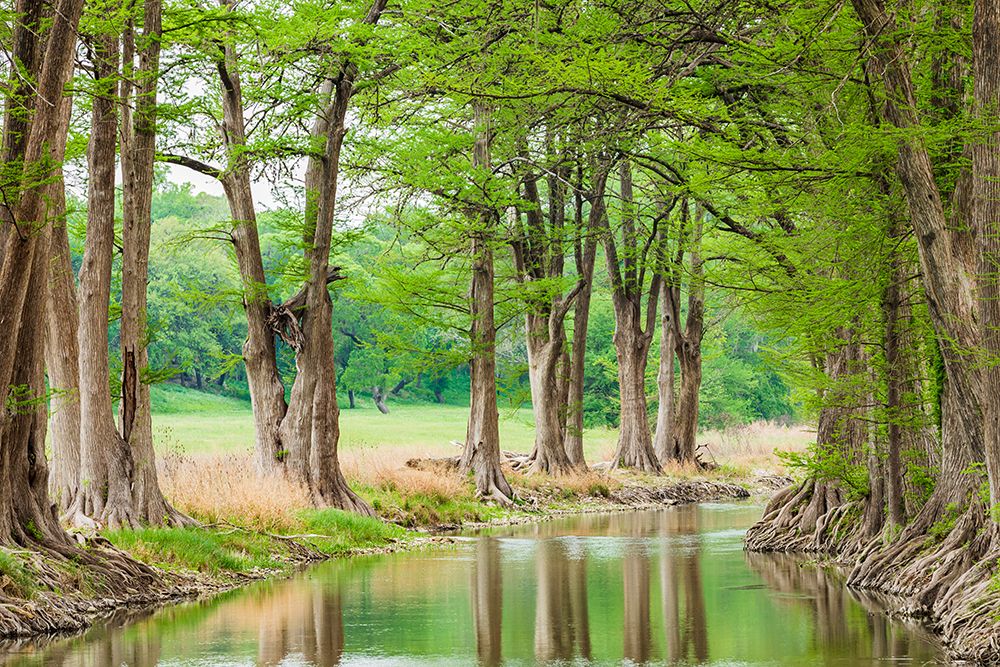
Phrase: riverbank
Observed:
(227, 553)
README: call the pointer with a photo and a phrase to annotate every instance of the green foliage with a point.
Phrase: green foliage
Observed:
(829, 463)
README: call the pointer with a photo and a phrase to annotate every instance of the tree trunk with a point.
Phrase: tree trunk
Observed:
(481, 454)
(686, 419)
(632, 337)
(24, 262)
(350, 398)
(586, 258)
(311, 428)
(378, 396)
(146, 504)
(635, 443)
(61, 349)
(948, 275)
(105, 462)
(267, 392)
(545, 348)
(896, 379)
(663, 438)
(986, 219)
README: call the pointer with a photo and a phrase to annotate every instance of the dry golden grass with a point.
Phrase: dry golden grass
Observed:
(226, 488)
(385, 469)
(752, 446)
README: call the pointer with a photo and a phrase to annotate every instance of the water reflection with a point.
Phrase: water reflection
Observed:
(845, 621)
(669, 587)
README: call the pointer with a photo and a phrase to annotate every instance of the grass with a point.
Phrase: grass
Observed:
(15, 578)
(195, 423)
(232, 549)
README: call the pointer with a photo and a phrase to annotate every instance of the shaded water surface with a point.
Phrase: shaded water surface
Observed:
(671, 586)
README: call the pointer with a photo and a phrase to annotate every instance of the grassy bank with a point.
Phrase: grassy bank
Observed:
(207, 472)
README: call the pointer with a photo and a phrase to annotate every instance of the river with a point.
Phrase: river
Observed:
(669, 586)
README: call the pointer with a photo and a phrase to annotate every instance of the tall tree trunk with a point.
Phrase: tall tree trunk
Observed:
(105, 461)
(663, 436)
(632, 338)
(688, 346)
(24, 262)
(138, 150)
(267, 392)
(947, 273)
(311, 428)
(986, 217)
(481, 454)
(896, 380)
(61, 349)
(585, 260)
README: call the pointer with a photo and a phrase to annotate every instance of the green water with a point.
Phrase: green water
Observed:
(669, 587)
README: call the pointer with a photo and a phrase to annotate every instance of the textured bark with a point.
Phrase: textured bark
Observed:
(140, 501)
(585, 256)
(267, 392)
(481, 454)
(105, 461)
(539, 258)
(947, 268)
(24, 500)
(310, 430)
(899, 377)
(61, 349)
(544, 340)
(688, 347)
(633, 335)
(986, 219)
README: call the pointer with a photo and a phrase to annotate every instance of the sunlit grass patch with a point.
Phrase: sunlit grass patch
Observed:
(202, 549)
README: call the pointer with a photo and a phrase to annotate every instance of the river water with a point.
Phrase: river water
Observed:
(669, 586)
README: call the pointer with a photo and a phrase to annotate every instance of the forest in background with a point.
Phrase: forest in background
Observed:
(197, 326)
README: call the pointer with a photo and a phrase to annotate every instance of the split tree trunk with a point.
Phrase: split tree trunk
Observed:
(105, 462)
(633, 336)
(545, 339)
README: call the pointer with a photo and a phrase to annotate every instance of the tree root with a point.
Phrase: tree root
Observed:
(940, 567)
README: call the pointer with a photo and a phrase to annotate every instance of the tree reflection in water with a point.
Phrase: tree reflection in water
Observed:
(686, 627)
(487, 600)
(839, 627)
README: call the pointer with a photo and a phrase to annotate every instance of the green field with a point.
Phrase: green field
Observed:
(201, 423)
